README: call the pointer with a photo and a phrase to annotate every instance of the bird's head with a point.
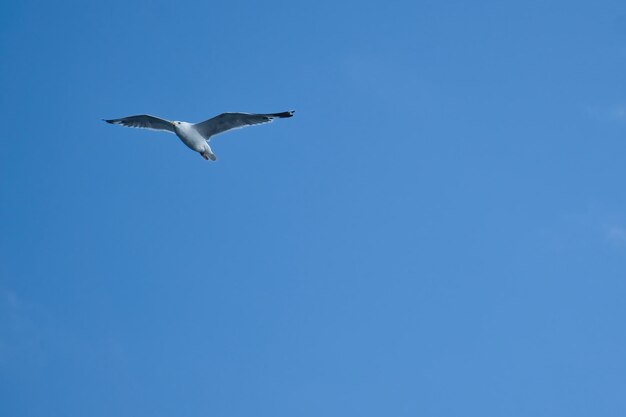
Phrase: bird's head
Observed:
(175, 124)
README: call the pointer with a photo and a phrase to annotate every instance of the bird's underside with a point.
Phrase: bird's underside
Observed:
(197, 136)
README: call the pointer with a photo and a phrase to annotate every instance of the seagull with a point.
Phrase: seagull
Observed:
(197, 136)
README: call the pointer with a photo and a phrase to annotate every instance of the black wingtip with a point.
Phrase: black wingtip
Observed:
(108, 121)
(284, 114)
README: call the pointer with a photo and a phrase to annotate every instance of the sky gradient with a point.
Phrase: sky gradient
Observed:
(440, 230)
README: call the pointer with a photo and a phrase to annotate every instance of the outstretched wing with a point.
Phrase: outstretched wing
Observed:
(227, 121)
(143, 121)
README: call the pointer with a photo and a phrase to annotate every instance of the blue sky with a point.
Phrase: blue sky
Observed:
(440, 230)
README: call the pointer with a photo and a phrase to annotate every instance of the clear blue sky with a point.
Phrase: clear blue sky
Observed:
(439, 231)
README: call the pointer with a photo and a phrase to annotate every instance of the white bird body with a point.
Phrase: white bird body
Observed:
(193, 139)
(196, 136)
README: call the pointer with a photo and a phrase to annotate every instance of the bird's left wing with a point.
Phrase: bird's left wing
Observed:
(228, 121)
(144, 121)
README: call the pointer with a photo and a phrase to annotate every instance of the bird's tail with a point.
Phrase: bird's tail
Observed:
(283, 114)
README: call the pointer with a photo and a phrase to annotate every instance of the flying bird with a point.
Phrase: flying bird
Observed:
(197, 136)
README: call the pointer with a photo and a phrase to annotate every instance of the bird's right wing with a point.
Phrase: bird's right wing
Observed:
(144, 121)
